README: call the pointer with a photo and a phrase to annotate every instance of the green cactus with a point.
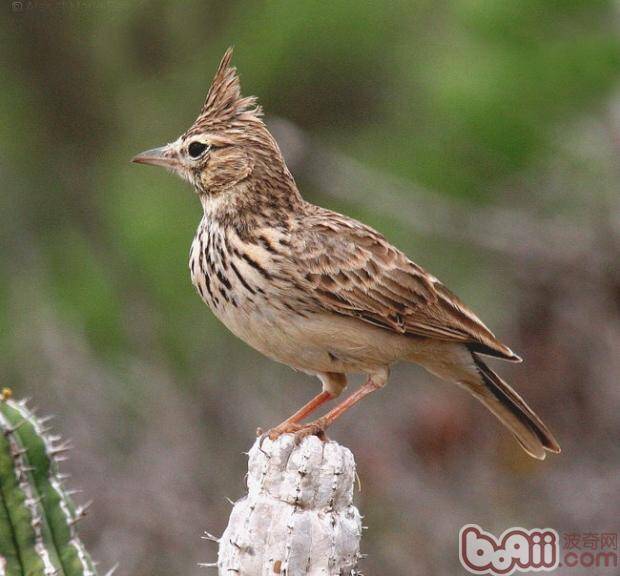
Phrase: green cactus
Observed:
(37, 515)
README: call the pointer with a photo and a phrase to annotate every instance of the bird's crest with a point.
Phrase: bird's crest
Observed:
(224, 105)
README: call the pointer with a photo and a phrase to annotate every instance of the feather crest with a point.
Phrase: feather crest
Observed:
(224, 103)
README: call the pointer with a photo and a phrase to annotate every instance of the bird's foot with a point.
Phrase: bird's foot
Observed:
(316, 428)
(300, 431)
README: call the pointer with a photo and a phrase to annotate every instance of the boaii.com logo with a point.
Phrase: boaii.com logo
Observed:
(536, 550)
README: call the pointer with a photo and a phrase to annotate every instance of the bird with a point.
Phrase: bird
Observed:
(314, 289)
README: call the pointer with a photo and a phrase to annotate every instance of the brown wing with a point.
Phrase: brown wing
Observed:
(353, 270)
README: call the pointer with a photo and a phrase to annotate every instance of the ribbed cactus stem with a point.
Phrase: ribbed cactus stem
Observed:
(298, 517)
(38, 535)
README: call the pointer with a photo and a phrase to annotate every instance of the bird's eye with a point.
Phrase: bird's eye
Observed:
(196, 148)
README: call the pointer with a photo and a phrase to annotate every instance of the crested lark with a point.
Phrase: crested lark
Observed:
(317, 290)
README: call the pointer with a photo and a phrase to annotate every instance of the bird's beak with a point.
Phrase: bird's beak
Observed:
(163, 156)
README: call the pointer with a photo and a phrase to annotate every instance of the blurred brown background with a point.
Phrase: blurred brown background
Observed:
(482, 137)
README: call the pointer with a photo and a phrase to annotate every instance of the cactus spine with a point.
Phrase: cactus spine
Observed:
(37, 516)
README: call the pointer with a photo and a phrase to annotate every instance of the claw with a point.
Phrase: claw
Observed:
(276, 432)
(299, 431)
(312, 429)
(263, 437)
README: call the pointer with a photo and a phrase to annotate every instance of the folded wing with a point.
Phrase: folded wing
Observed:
(352, 270)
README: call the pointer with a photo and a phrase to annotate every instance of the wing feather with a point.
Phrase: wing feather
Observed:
(353, 270)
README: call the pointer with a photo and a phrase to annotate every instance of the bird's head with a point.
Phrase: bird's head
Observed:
(228, 144)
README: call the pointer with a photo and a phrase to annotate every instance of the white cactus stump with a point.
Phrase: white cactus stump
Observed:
(298, 517)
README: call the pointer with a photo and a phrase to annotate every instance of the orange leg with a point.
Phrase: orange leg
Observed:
(291, 424)
(310, 407)
(325, 421)
(319, 426)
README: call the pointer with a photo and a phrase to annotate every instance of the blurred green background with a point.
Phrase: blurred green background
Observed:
(481, 136)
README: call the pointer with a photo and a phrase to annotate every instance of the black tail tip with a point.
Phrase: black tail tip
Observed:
(504, 353)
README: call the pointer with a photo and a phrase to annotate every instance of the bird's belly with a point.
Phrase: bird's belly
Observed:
(270, 322)
(318, 342)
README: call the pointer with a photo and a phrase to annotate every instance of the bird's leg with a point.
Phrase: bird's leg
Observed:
(291, 424)
(318, 427)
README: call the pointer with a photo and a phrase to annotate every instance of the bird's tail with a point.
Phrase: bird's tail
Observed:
(529, 430)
